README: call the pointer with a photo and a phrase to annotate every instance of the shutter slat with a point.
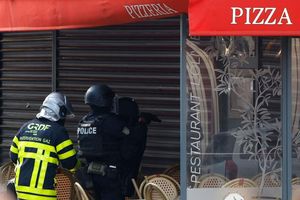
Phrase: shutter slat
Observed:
(25, 80)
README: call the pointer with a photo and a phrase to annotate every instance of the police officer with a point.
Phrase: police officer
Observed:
(40, 146)
(133, 146)
(100, 134)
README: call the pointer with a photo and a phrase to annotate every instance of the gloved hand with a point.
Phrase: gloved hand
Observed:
(148, 117)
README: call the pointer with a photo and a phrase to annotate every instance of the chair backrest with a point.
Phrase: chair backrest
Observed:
(154, 192)
(296, 181)
(212, 181)
(65, 185)
(271, 180)
(143, 183)
(240, 182)
(162, 181)
(174, 172)
(7, 172)
(80, 193)
(172, 180)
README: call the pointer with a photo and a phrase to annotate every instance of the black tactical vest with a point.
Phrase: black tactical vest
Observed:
(90, 136)
(100, 138)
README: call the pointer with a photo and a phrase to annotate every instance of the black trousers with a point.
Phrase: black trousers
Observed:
(107, 188)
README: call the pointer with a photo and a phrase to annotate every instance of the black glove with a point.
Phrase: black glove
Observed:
(148, 117)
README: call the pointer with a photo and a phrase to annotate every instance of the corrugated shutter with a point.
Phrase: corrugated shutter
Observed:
(137, 60)
(25, 80)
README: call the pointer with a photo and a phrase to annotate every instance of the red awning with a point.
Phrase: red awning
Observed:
(246, 17)
(26, 15)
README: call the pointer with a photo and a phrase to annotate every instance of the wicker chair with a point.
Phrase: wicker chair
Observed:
(174, 172)
(64, 180)
(271, 180)
(212, 181)
(240, 182)
(65, 185)
(296, 181)
(7, 172)
(143, 183)
(80, 193)
(174, 181)
(170, 190)
(154, 192)
(149, 179)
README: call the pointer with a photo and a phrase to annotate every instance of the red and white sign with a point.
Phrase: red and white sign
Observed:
(244, 17)
(26, 15)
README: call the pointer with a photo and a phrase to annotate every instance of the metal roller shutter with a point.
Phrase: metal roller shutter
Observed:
(137, 60)
(25, 80)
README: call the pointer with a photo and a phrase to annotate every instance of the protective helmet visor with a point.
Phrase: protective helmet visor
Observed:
(69, 108)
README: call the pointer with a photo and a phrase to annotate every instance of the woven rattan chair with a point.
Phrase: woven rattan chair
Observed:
(164, 176)
(174, 181)
(7, 172)
(80, 192)
(65, 185)
(212, 181)
(174, 172)
(143, 183)
(240, 182)
(165, 184)
(154, 192)
(296, 181)
(271, 180)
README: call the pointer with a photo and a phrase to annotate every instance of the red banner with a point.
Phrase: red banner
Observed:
(244, 17)
(25, 15)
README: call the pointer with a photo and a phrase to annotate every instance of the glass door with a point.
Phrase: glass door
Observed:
(295, 117)
(233, 129)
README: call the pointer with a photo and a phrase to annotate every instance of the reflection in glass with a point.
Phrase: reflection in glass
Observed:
(234, 122)
(296, 118)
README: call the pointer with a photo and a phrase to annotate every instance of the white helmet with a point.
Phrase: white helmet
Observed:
(55, 107)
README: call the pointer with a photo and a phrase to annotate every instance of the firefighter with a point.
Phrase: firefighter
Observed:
(40, 146)
(100, 135)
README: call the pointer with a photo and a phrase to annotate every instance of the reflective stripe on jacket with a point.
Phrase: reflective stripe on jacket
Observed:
(37, 149)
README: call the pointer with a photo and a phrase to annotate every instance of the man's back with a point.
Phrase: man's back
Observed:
(37, 149)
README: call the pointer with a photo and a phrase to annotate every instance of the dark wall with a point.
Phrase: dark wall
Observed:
(138, 60)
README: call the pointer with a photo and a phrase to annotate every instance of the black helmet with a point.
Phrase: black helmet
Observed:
(127, 108)
(100, 96)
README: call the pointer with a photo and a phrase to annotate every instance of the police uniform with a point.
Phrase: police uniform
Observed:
(133, 146)
(100, 136)
(37, 150)
(132, 149)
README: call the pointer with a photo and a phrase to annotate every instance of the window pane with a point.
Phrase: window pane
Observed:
(296, 117)
(234, 123)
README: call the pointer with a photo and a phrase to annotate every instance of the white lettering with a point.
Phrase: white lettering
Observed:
(87, 131)
(129, 11)
(38, 127)
(148, 10)
(270, 16)
(259, 16)
(145, 13)
(195, 136)
(195, 170)
(235, 15)
(31, 126)
(247, 15)
(285, 16)
(137, 11)
(194, 178)
(260, 10)
(169, 10)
